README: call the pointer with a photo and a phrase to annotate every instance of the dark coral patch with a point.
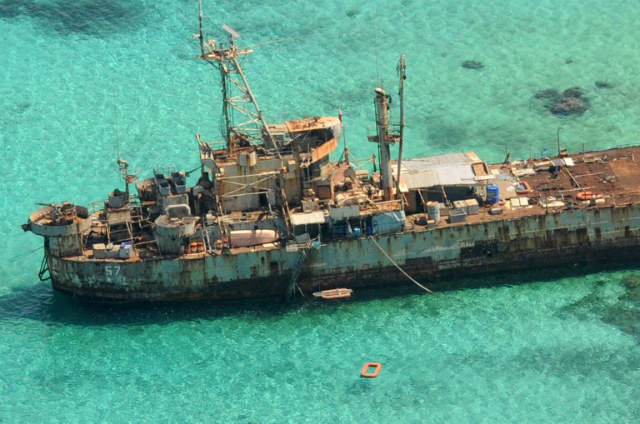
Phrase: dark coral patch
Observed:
(603, 84)
(472, 64)
(92, 17)
(549, 93)
(570, 106)
(571, 102)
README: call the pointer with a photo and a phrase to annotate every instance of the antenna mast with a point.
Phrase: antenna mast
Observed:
(115, 117)
(237, 96)
(122, 164)
(401, 71)
(200, 24)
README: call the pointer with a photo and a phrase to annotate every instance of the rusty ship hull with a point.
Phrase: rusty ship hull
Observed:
(569, 238)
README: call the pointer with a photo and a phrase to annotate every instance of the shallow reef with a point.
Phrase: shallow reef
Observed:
(571, 101)
(472, 64)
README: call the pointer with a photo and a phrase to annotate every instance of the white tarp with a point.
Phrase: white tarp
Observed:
(316, 217)
(388, 222)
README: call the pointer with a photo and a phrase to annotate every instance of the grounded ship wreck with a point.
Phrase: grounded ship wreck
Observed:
(271, 215)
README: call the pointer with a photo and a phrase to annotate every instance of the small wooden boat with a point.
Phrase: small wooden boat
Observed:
(334, 294)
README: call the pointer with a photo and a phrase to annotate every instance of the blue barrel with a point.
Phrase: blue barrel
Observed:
(493, 194)
(356, 232)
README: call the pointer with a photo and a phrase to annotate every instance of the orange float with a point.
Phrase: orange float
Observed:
(376, 370)
(587, 195)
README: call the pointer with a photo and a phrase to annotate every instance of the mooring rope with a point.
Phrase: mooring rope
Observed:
(398, 266)
(22, 255)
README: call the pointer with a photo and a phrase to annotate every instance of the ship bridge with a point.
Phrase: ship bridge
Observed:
(252, 177)
(313, 139)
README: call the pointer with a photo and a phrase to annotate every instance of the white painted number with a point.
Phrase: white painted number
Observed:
(112, 272)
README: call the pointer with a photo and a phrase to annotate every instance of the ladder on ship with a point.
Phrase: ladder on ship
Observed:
(128, 228)
(280, 222)
(303, 254)
(206, 241)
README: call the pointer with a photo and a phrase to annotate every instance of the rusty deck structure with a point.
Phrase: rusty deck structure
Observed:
(271, 215)
(554, 228)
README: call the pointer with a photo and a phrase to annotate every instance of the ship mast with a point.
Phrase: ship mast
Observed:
(122, 164)
(237, 96)
(385, 138)
(401, 68)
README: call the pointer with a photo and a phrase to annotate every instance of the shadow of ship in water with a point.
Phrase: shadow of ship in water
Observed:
(41, 303)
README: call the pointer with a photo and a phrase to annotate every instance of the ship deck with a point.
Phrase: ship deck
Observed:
(612, 176)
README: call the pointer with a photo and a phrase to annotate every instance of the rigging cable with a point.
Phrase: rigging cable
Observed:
(375, 45)
(115, 117)
(398, 266)
(22, 255)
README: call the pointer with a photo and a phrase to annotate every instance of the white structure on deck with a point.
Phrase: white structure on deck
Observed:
(443, 178)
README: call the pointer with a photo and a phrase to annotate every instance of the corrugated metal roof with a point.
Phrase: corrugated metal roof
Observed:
(456, 175)
(448, 159)
(448, 176)
(452, 169)
(426, 178)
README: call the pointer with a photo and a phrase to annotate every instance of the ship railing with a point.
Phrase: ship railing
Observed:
(301, 242)
(389, 205)
(217, 145)
(294, 247)
(210, 149)
(164, 170)
(622, 146)
(94, 207)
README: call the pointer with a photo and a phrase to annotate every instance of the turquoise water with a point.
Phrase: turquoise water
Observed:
(539, 348)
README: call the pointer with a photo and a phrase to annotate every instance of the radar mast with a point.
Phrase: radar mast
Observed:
(237, 96)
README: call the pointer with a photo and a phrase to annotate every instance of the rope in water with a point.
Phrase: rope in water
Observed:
(22, 255)
(398, 266)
